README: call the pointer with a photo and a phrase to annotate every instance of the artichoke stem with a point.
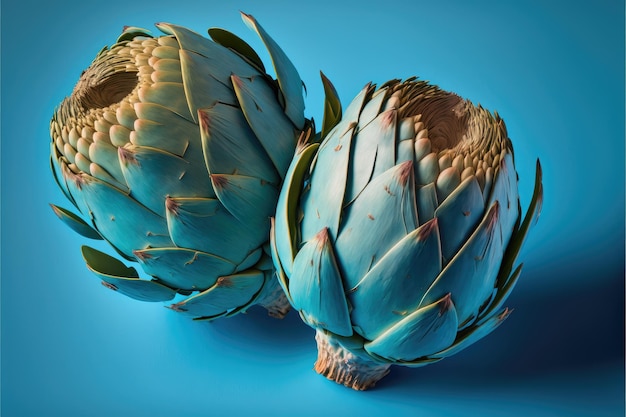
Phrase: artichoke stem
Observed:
(276, 303)
(344, 367)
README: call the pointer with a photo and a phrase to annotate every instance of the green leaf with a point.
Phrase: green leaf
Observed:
(167, 94)
(288, 78)
(131, 32)
(75, 223)
(286, 224)
(120, 219)
(474, 334)
(283, 280)
(316, 287)
(124, 280)
(322, 203)
(373, 152)
(519, 235)
(230, 146)
(157, 126)
(332, 106)
(168, 174)
(228, 292)
(204, 224)
(249, 199)
(470, 276)
(234, 42)
(186, 269)
(422, 333)
(459, 215)
(207, 81)
(380, 217)
(393, 288)
(503, 290)
(267, 119)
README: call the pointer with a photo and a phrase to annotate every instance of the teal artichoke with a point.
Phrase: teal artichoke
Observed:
(173, 150)
(396, 237)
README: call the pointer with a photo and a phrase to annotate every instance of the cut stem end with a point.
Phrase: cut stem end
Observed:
(344, 367)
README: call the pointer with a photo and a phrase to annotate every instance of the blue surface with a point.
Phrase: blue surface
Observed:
(553, 70)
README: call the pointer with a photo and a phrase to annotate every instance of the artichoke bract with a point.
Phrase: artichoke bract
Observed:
(173, 149)
(396, 236)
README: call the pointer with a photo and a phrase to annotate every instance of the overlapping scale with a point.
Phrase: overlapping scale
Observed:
(173, 149)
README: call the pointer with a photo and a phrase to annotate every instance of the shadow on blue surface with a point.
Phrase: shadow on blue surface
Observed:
(576, 329)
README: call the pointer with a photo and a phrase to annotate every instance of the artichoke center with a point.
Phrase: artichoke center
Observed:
(443, 114)
(99, 90)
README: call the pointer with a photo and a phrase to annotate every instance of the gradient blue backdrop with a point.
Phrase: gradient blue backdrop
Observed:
(555, 72)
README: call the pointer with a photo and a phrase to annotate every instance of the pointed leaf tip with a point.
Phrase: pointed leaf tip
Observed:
(445, 304)
(427, 229)
(332, 106)
(171, 205)
(289, 81)
(219, 180)
(127, 156)
(204, 119)
(76, 223)
(404, 172)
(235, 43)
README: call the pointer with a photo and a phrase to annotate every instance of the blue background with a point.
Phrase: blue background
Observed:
(554, 70)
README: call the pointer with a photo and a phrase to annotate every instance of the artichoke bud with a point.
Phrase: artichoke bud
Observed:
(414, 191)
(173, 148)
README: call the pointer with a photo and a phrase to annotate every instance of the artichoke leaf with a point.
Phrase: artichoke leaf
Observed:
(418, 363)
(122, 279)
(205, 225)
(470, 276)
(473, 334)
(254, 258)
(184, 269)
(204, 82)
(106, 164)
(235, 43)
(373, 152)
(249, 199)
(316, 287)
(131, 32)
(519, 235)
(170, 175)
(404, 151)
(57, 172)
(353, 111)
(332, 106)
(139, 227)
(381, 216)
(167, 94)
(426, 202)
(230, 146)
(278, 265)
(393, 287)
(274, 130)
(422, 333)
(288, 78)
(157, 125)
(458, 216)
(224, 62)
(502, 292)
(504, 190)
(286, 225)
(373, 108)
(75, 223)
(323, 201)
(229, 290)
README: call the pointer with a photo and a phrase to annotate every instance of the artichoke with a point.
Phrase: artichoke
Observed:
(396, 236)
(173, 149)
